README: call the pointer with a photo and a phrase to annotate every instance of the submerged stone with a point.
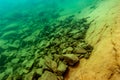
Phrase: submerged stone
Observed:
(47, 75)
(80, 50)
(51, 64)
(61, 68)
(70, 59)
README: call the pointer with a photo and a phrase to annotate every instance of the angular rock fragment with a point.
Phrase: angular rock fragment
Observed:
(39, 71)
(41, 62)
(51, 64)
(29, 64)
(89, 48)
(80, 50)
(70, 59)
(29, 76)
(78, 36)
(67, 50)
(60, 78)
(47, 75)
(15, 60)
(61, 68)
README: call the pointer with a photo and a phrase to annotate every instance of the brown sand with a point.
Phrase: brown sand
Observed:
(104, 35)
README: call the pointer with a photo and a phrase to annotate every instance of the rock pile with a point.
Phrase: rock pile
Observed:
(47, 54)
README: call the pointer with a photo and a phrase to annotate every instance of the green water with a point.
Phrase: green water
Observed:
(31, 30)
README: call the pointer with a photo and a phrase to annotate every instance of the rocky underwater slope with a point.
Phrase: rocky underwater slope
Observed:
(60, 45)
(41, 46)
(52, 46)
(45, 54)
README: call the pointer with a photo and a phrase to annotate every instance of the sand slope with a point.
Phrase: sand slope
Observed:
(104, 35)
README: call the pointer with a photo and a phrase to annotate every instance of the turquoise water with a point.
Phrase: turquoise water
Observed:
(33, 29)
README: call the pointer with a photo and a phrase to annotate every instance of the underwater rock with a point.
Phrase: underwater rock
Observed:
(6, 73)
(17, 77)
(57, 58)
(51, 64)
(2, 45)
(87, 55)
(33, 75)
(42, 43)
(60, 78)
(3, 58)
(70, 59)
(29, 76)
(39, 71)
(53, 51)
(57, 41)
(47, 44)
(12, 26)
(15, 60)
(22, 71)
(9, 35)
(41, 62)
(2, 75)
(61, 68)
(29, 64)
(67, 50)
(29, 39)
(78, 36)
(10, 77)
(62, 45)
(79, 50)
(74, 31)
(50, 55)
(47, 75)
(13, 46)
(87, 47)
